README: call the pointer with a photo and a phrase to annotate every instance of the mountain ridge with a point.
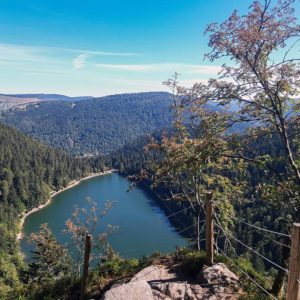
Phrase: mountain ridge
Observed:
(93, 126)
(49, 97)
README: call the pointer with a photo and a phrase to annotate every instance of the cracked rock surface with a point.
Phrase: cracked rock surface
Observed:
(160, 282)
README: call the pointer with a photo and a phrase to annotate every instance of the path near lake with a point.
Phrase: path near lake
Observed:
(54, 193)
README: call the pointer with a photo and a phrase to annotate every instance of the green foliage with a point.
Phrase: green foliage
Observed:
(96, 125)
(110, 270)
(251, 290)
(191, 261)
(266, 212)
(10, 283)
(82, 223)
(29, 170)
(63, 288)
(52, 261)
(118, 267)
(202, 155)
(52, 273)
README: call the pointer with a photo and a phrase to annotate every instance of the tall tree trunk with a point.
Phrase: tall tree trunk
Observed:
(289, 152)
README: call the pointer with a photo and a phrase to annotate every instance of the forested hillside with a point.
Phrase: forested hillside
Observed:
(236, 192)
(29, 170)
(133, 161)
(93, 126)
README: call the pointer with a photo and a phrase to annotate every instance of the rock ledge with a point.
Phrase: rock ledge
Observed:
(159, 282)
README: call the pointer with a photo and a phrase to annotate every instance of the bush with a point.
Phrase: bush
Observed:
(118, 267)
(191, 260)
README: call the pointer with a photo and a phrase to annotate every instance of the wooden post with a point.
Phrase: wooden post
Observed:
(209, 229)
(86, 262)
(293, 288)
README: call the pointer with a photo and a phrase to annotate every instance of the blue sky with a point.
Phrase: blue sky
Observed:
(97, 47)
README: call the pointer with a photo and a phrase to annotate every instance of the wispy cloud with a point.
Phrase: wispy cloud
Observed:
(6, 63)
(124, 67)
(55, 68)
(170, 67)
(79, 58)
(79, 61)
(21, 53)
(100, 53)
(17, 53)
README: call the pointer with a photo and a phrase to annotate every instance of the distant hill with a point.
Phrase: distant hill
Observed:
(20, 101)
(8, 102)
(49, 97)
(99, 125)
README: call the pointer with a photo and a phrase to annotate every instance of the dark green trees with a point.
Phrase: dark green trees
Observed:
(29, 170)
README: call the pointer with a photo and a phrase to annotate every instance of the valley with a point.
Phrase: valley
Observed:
(93, 126)
(176, 177)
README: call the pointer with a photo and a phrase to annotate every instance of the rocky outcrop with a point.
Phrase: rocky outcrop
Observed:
(136, 290)
(155, 273)
(160, 282)
(178, 290)
(220, 279)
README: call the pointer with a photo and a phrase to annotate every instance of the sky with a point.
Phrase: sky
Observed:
(96, 47)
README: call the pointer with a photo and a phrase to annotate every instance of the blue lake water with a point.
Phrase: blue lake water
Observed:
(143, 228)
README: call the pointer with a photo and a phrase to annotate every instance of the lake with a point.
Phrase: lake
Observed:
(143, 226)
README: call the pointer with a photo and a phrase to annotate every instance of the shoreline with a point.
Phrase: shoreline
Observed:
(71, 184)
